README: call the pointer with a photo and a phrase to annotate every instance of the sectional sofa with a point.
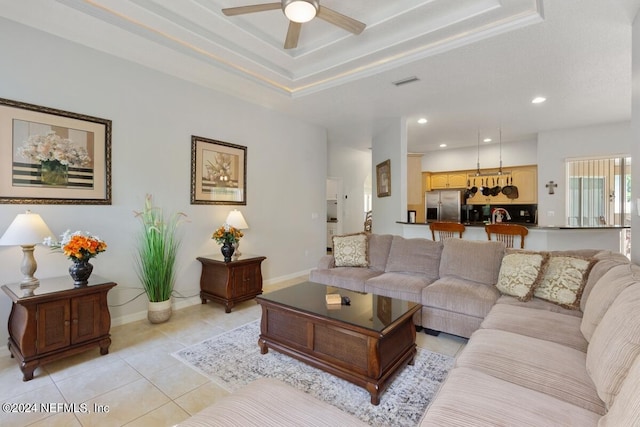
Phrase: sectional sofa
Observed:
(554, 336)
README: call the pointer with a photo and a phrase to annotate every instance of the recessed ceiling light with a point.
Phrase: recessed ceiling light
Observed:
(422, 120)
(486, 140)
(538, 100)
(443, 145)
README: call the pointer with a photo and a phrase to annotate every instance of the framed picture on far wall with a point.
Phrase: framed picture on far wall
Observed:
(50, 156)
(383, 178)
(218, 172)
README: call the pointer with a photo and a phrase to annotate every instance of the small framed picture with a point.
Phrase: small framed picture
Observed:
(218, 172)
(383, 178)
(411, 217)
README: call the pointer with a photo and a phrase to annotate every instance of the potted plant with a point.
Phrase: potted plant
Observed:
(156, 258)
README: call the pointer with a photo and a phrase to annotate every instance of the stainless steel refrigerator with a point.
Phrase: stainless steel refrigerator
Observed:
(443, 205)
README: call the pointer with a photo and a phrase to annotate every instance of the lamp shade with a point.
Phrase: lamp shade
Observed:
(236, 220)
(300, 10)
(26, 229)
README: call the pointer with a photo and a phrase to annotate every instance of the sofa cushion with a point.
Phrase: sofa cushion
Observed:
(603, 294)
(478, 261)
(538, 304)
(472, 398)
(351, 278)
(625, 411)
(403, 286)
(460, 296)
(615, 344)
(520, 273)
(379, 246)
(419, 256)
(350, 250)
(563, 280)
(459, 324)
(540, 365)
(542, 324)
(268, 402)
(605, 261)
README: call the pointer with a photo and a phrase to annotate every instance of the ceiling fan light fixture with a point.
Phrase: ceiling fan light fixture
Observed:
(300, 11)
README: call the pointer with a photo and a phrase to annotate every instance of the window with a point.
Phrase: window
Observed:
(599, 191)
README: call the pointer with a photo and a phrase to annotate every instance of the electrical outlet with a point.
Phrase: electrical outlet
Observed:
(551, 213)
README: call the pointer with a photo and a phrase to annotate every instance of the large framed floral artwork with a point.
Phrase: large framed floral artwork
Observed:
(50, 156)
(218, 172)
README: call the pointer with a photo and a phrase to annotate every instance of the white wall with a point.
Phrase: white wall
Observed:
(391, 144)
(556, 146)
(154, 116)
(520, 153)
(635, 136)
(352, 167)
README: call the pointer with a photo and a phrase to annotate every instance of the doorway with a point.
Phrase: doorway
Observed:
(334, 210)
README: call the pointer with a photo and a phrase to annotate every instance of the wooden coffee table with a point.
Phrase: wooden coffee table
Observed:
(365, 343)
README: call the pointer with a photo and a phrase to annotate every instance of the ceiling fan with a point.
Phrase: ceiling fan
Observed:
(299, 12)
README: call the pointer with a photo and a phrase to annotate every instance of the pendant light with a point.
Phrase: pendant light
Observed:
(500, 141)
(478, 164)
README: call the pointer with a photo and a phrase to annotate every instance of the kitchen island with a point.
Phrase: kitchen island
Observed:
(612, 238)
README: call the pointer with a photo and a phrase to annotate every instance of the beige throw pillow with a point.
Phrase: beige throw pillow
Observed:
(520, 273)
(563, 281)
(350, 250)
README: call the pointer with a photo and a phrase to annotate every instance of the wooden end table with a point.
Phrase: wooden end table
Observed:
(230, 282)
(57, 320)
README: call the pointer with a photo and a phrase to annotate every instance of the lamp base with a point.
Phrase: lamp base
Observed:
(28, 268)
(29, 285)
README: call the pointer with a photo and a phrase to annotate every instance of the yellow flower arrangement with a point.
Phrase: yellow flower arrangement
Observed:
(227, 233)
(78, 246)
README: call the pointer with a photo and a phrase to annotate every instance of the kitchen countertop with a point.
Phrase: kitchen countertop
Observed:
(531, 226)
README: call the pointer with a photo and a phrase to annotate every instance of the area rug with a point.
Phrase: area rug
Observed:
(233, 360)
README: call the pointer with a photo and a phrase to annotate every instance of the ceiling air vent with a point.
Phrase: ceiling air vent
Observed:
(406, 80)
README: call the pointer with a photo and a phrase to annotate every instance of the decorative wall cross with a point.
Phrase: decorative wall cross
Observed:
(551, 185)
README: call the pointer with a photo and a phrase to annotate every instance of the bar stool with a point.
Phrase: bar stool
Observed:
(506, 233)
(446, 230)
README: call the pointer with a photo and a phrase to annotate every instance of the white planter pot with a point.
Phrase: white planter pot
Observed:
(159, 312)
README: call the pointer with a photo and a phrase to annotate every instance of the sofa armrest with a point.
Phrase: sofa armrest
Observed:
(326, 262)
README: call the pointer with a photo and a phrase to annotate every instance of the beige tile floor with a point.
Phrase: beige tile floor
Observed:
(139, 383)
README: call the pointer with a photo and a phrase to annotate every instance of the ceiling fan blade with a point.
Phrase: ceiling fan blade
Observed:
(232, 11)
(342, 21)
(293, 34)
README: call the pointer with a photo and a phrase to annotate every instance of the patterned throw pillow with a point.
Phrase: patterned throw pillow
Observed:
(564, 280)
(520, 273)
(350, 250)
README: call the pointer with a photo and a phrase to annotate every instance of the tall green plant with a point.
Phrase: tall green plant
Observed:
(158, 247)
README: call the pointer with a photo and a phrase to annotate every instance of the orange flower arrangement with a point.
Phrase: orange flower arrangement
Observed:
(227, 233)
(78, 246)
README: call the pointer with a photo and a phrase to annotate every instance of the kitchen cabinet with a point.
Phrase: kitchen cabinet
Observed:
(526, 179)
(443, 181)
(57, 320)
(414, 177)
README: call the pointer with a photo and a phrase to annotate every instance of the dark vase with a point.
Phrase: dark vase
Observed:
(80, 272)
(227, 250)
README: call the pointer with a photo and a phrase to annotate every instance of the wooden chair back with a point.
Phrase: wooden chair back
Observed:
(368, 221)
(507, 233)
(446, 230)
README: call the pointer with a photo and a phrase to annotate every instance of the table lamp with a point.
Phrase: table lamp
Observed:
(236, 220)
(26, 230)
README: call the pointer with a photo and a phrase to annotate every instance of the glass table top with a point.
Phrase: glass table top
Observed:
(369, 311)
